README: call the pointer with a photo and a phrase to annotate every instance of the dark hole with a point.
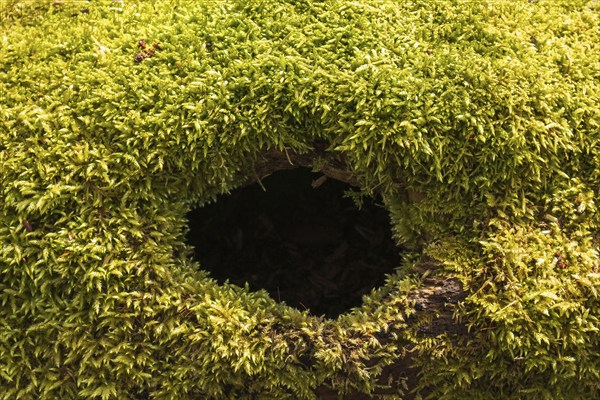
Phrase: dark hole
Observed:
(309, 247)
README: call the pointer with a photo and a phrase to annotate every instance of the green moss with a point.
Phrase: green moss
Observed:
(477, 121)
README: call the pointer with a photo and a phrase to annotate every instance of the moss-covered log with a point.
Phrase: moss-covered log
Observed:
(477, 122)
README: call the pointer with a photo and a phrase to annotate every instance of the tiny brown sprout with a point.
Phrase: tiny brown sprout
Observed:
(27, 225)
(147, 51)
(534, 41)
(560, 261)
(209, 46)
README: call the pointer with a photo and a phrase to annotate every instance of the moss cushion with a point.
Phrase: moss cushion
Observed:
(477, 122)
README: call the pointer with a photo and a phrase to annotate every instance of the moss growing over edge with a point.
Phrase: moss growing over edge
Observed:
(478, 122)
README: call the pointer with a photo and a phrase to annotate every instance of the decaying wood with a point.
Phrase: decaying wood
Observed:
(333, 166)
(329, 164)
(437, 297)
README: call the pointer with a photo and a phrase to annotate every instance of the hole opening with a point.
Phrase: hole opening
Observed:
(302, 238)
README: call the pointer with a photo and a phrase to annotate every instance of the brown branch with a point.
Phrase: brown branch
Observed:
(333, 166)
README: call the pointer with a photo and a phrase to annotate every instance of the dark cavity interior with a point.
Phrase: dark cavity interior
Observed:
(300, 239)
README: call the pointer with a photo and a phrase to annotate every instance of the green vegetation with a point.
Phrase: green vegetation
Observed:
(478, 122)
